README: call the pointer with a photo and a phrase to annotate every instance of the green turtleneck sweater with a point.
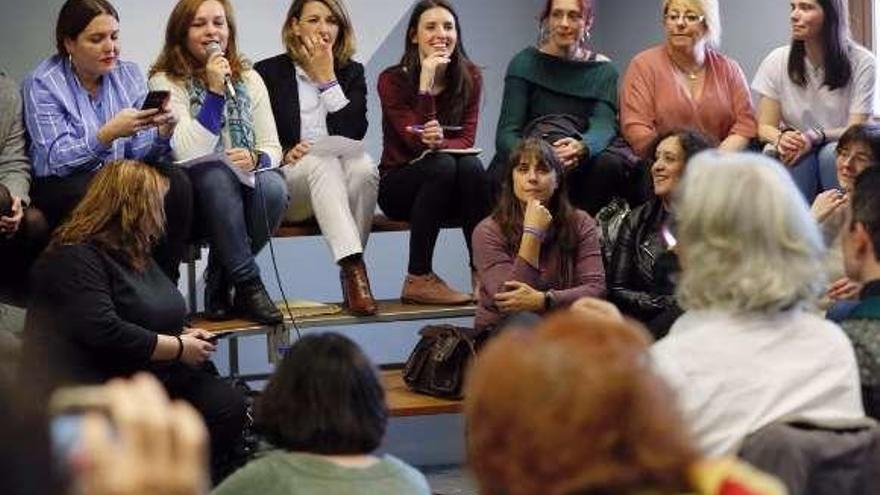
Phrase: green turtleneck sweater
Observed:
(289, 473)
(538, 84)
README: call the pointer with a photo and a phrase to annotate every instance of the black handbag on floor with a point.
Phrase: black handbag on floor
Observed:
(438, 363)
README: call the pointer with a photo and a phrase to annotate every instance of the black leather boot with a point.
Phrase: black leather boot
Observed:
(252, 302)
(218, 294)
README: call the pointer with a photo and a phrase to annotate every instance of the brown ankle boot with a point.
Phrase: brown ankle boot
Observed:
(356, 292)
(430, 289)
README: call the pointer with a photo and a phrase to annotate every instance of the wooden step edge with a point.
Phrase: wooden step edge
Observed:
(390, 310)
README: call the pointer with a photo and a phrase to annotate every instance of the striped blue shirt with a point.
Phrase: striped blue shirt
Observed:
(63, 119)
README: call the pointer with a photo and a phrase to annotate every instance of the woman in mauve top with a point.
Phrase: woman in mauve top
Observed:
(686, 83)
(430, 103)
(536, 252)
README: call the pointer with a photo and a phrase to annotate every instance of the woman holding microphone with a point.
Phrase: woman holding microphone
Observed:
(224, 111)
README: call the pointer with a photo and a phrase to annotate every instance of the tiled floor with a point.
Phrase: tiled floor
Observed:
(450, 480)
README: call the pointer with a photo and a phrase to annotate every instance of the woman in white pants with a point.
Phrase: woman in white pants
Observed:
(317, 91)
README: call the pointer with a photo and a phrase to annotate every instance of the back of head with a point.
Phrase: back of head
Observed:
(573, 407)
(747, 241)
(866, 205)
(121, 212)
(324, 398)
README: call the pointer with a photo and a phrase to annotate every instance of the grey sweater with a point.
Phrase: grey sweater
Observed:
(14, 164)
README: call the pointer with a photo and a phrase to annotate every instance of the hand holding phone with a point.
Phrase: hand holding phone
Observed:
(156, 99)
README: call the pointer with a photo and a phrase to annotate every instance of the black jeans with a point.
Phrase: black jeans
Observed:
(594, 182)
(19, 252)
(438, 188)
(220, 404)
(56, 197)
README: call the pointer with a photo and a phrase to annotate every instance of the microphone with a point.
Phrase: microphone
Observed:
(212, 48)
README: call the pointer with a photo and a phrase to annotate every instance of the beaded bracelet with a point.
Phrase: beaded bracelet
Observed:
(540, 234)
(327, 85)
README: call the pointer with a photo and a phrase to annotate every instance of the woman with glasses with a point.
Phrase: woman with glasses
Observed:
(812, 90)
(686, 83)
(857, 150)
(562, 79)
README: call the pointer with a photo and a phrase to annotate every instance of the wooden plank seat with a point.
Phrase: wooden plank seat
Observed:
(389, 310)
(404, 402)
(381, 223)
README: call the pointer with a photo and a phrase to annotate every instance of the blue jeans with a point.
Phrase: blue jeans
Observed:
(816, 172)
(234, 218)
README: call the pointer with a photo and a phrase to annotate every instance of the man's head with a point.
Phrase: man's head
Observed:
(861, 236)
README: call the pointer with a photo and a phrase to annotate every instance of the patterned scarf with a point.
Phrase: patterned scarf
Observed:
(238, 118)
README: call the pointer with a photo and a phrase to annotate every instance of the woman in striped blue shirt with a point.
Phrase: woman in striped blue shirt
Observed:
(82, 110)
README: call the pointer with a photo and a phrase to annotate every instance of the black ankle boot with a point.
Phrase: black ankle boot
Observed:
(252, 302)
(218, 295)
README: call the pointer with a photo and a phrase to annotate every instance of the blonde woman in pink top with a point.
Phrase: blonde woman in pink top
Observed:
(687, 83)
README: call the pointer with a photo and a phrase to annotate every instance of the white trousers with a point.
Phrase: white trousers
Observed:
(340, 192)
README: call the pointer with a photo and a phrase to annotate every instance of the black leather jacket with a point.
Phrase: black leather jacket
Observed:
(632, 283)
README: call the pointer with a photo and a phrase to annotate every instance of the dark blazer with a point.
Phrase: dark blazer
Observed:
(279, 74)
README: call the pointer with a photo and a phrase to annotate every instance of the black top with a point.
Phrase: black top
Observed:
(92, 317)
(279, 74)
(870, 289)
(633, 283)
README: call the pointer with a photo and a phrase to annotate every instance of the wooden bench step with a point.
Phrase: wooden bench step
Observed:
(381, 223)
(404, 402)
(389, 310)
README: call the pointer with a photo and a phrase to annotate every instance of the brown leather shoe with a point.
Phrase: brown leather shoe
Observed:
(356, 292)
(430, 289)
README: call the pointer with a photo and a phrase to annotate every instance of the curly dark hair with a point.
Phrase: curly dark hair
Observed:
(324, 398)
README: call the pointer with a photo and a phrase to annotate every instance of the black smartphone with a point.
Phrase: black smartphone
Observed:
(219, 335)
(155, 99)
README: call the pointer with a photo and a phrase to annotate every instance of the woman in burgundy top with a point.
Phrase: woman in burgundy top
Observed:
(536, 252)
(429, 109)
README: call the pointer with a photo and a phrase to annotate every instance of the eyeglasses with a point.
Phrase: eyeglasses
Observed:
(689, 17)
(856, 158)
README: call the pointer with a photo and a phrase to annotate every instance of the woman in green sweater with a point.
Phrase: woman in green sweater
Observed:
(566, 93)
(324, 409)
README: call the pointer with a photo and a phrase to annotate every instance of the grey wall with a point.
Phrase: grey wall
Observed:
(750, 29)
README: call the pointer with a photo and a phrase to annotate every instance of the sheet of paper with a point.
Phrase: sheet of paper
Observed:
(336, 146)
(246, 178)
